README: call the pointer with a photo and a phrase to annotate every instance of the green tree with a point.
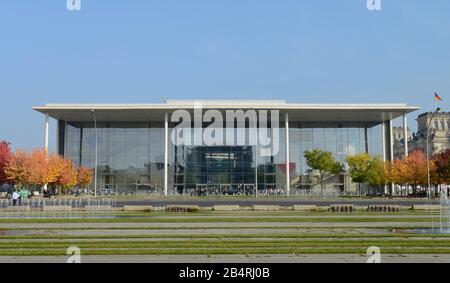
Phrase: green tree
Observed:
(324, 163)
(378, 172)
(359, 168)
(367, 169)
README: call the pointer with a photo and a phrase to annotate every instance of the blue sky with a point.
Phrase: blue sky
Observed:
(143, 50)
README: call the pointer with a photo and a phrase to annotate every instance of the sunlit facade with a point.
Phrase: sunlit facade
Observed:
(136, 154)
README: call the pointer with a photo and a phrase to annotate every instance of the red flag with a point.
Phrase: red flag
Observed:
(437, 97)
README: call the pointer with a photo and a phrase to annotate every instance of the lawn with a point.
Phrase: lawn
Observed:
(210, 233)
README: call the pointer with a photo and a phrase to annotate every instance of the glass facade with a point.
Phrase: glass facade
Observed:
(131, 158)
(229, 170)
(130, 155)
(341, 139)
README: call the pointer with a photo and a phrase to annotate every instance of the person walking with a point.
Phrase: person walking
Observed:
(23, 194)
(15, 197)
(20, 197)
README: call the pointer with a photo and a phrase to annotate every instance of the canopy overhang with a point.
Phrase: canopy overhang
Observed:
(369, 113)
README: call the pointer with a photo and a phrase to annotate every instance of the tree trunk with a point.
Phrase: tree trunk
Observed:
(321, 184)
(321, 188)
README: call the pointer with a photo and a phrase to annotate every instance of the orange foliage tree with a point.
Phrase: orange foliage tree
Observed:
(399, 172)
(67, 177)
(387, 171)
(413, 170)
(39, 168)
(84, 177)
(44, 168)
(16, 170)
(417, 164)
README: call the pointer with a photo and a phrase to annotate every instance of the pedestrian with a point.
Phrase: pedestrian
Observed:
(15, 197)
(20, 197)
(23, 194)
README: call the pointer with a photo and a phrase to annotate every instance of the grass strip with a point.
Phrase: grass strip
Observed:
(218, 236)
(216, 213)
(213, 220)
(227, 244)
(219, 251)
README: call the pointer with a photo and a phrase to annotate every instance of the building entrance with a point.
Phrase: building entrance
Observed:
(224, 189)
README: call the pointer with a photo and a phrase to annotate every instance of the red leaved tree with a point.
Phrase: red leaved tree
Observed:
(442, 163)
(5, 156)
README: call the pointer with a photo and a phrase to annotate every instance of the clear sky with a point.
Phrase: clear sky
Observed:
(313, 51)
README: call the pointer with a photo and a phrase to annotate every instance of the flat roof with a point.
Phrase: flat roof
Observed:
(297, 111)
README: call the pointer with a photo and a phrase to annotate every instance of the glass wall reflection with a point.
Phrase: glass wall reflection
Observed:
(130, 155)
(229, 169)
(131, 159)
(341, 139)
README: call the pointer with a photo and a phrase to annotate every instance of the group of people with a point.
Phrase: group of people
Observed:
(18, 195)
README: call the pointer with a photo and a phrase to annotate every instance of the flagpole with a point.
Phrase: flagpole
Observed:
(436, 99)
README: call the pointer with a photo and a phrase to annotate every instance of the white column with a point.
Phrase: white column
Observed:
(286, 128)
(256, 157)
(46, 132)
(57, 137)
(391, 150)
(405, 133)
(383, 143)
(405, 146)
(46, 128)
(96, 155)
(391, 142)
(383, 139)
(166, 153)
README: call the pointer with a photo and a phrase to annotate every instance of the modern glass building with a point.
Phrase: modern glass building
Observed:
(137, 148)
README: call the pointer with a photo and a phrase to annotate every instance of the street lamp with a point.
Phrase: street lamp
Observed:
(96, 153)
(428, 151)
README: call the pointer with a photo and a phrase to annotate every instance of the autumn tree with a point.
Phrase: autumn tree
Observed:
(40, 168)
(387, 169)
(67, 177)
(324, 163)
(400, 172)
(412, 170)
(44, 168)
(416, 166)
(84, 177)
(5, 156)
(37, 166)
(16, 170)
(56, 167)
(442, 165)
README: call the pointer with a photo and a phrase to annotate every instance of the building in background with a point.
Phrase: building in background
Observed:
(439, 127)
(398, 133)
(136, 154)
